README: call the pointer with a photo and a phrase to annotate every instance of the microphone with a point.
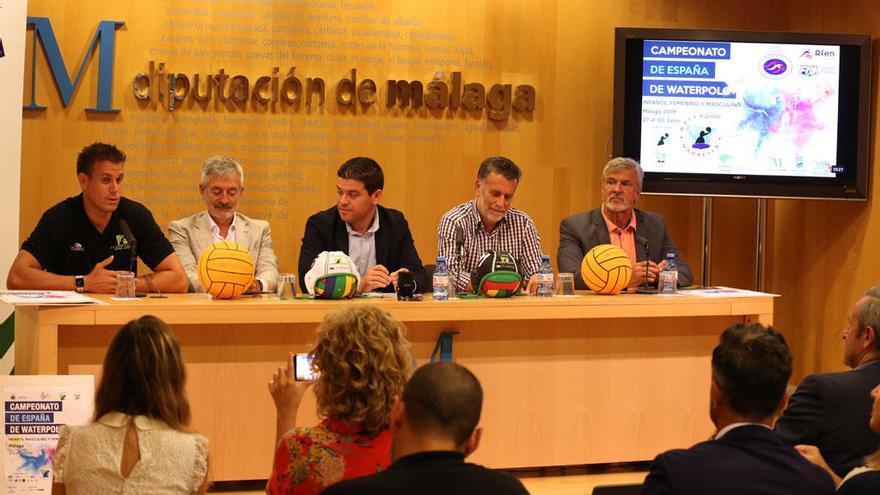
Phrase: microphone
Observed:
(129, 237)
(644, 243)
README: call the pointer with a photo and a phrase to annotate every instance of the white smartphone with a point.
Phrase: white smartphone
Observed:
(302, 368)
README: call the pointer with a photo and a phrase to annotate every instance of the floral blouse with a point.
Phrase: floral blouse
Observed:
(307, 460)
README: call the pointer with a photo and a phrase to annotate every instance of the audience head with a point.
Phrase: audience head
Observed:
(364, 360)
(221, 186)
(442, 402)
(750, 370)
(621, 184)
(359, 185)
(497, 180)
(144, 374)
(861, 342)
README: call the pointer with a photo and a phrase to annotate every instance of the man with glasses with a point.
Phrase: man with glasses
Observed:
(641, 234)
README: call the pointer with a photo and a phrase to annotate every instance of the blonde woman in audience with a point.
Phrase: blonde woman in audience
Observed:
(140, 441)
(861, 480)
(363, 359)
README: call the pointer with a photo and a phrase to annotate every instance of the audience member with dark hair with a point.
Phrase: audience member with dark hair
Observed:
(862, 480)
(831, 410)
(750, 369)
(376, 238)
(363, 359)
(140, 440)
(435, 429)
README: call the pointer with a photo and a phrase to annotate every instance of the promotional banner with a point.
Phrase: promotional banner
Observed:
(13, 14)
(34, 410)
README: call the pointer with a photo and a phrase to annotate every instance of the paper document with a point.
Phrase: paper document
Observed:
(44, 297)
(726, 292)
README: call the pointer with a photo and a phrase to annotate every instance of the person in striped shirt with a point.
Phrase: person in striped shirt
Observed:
(488, 222)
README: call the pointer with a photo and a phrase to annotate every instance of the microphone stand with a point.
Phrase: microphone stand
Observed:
(459, 250)
(644, 243)
(132, 265)
(149, 278)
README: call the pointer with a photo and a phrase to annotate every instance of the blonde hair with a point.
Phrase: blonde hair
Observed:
(364, 360)
(873, 460)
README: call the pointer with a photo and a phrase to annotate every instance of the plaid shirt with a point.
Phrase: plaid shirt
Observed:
(515, 234)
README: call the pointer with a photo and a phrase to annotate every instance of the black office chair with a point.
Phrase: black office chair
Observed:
(628, 489)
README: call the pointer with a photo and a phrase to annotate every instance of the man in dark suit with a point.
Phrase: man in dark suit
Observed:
(376, 238)
(831, 410)
(434, 428)
(641, 234)
(750, 369)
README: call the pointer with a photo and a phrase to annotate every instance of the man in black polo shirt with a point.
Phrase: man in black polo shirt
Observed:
(79, 245)
(435, 427)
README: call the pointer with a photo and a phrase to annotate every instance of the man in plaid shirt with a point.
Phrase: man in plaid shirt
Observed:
(488, 222)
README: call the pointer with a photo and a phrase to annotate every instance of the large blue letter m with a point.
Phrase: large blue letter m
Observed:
(105, 33)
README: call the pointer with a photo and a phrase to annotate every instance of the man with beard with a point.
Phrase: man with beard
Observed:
(641, 234)
(221, 186)
(489, 222)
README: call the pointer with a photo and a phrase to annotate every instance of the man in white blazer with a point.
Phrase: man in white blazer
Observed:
(221, 186)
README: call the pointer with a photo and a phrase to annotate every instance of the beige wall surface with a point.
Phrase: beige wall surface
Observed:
(820, 254)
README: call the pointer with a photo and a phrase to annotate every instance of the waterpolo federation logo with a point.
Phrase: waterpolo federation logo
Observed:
(775, 66)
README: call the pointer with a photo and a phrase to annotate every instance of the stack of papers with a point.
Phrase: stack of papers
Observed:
(44, 297)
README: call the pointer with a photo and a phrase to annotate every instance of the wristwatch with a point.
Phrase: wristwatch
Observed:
(80, 283)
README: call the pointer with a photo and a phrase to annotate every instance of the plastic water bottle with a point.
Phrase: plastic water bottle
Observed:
(441, 280)
(668, 283)
(545, 278)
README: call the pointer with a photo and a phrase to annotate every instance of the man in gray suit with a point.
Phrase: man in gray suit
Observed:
(221, 186)
(641, 234)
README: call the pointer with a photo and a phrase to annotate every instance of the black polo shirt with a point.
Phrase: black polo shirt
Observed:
(66, 243)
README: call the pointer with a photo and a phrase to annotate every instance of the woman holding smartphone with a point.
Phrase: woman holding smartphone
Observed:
(362, 360)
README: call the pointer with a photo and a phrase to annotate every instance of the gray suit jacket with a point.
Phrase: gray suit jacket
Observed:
(190, 236)
(583, 231)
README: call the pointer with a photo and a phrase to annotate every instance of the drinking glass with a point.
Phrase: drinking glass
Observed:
(287, 286)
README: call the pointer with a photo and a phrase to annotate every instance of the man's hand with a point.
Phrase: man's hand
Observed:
(812, 454)
(642, 268)
(377, 277)
(255, 288)
(100, 279)
(531, 287)
(394, 274)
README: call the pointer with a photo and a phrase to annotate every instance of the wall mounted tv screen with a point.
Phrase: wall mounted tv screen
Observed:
(726, 113)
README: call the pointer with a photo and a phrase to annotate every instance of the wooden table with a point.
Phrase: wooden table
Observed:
(567, 381)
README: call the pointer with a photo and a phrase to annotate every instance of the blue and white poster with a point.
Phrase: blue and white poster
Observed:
(740, 108)
(34, 410)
